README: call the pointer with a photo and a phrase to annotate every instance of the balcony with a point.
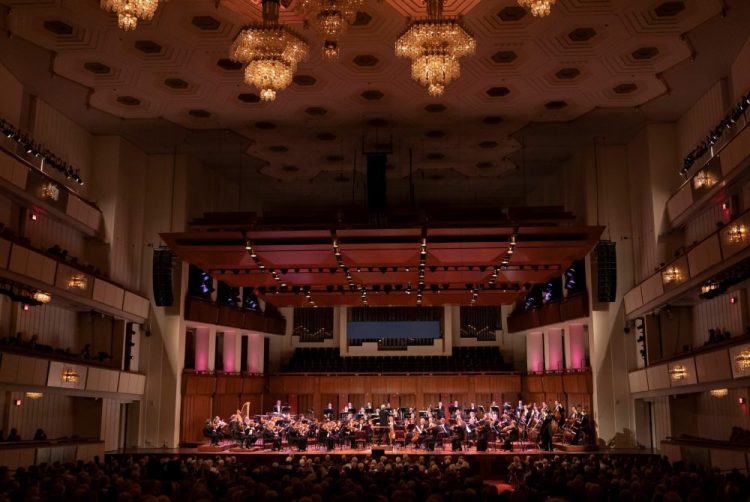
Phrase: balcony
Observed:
(707, 367)
(572, 307)
(717, 252)
(207, 312)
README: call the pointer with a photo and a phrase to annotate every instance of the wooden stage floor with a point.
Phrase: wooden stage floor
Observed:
(386, 450)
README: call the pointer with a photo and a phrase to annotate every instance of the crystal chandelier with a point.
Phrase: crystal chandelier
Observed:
(678, 372)
(743, 360)
(434, 46)
(69, 375)
(538, 8)
(736, 234)
(130, 11)
(271, 52)
(331, 18)
(672, 274)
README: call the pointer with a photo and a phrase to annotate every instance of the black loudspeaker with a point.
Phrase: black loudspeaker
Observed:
(606, 267)
(162, 278)
(376, 181)
(377, 453)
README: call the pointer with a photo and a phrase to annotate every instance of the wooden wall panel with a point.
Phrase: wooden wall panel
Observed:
(225, 405)
(229, 385)
(104, 380)
(578, 383)
(704, 255)
(195, 410)
(713, 366)
(658, 377)
(652, 288)
(110, 425)
(633, 299)
(409, 391)
(253, 385)
(638, 381)
(23, 370)
(680, 202)
(552, 384)
(533, 384)
(199, 384)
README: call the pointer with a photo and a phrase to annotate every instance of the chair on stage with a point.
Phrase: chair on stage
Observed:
(400, 438)
(360, 439)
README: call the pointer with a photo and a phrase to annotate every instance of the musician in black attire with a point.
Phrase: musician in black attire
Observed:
(439, 411)
(295, 438)
(561, 417)
(251, 436)
(545, 435)
(270, 437)
(210, 432)
(482, 436)
(383, 422)
(511, 432)
(459, 433)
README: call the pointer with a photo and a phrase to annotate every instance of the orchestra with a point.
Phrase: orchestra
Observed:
(462, 427)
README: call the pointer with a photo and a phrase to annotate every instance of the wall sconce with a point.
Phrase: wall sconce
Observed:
(671, 274)
(736, 234)
(69, 375)
(743, 360)
(77, 281)
(678, 372)
(704, 179)
(719, 393)
(34, 395)
(709, 287)
(49, 191)
(42, 297)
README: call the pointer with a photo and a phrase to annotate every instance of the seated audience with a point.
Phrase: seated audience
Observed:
(396, 478)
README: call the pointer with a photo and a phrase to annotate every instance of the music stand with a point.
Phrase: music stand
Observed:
(452, 409)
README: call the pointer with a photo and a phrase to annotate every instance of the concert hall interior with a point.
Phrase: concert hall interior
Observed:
(254, 229)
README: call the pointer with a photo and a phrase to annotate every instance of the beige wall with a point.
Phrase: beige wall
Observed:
(11, 97)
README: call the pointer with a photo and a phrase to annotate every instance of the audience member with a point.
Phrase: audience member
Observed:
(395, 478)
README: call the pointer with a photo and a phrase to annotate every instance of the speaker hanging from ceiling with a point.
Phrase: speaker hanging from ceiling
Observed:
(606, 267)
(376, 196)
(162, 277)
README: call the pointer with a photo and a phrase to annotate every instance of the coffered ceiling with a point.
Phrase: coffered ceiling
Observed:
(591, 67)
